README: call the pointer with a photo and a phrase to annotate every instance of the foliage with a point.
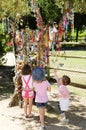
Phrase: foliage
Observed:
(82, 33)
(50, 11)
(79, 20)
(4, 38)
(29, 21)
(73, 46)
(13, 8)
(78, 5)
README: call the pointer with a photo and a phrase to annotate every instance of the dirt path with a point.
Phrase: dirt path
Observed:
(13, 118)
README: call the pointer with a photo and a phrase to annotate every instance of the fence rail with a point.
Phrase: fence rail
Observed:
(74, 43)
(76, 71)
(80, 57)
(78, 85)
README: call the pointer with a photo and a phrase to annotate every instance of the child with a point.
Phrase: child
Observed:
(41, 86)
(63, 95)
(27, 92)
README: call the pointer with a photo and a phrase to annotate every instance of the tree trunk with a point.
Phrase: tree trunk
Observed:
(17, 95)
(15, 100)
(77, 34)
(47, 49)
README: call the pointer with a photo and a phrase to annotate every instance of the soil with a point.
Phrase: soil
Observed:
(12, 118)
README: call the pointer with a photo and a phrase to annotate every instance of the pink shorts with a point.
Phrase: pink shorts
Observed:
(27, 94)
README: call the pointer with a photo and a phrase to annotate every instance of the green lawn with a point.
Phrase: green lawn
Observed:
(73, 64)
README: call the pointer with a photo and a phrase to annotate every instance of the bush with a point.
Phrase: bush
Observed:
(4, 39)
(73, 46)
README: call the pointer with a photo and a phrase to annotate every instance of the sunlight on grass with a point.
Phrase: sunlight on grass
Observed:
(76, 64)
(78, 91)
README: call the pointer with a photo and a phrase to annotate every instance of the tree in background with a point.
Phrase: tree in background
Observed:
(79, 22)
(13, 8)
(79, 7)
(49, 10)
(80, 15)
(10, 13)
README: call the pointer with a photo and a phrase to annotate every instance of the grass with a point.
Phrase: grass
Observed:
(71, 64)
(78, 91)
(81, 34)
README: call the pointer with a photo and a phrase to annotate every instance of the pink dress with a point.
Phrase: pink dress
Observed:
(27, 84)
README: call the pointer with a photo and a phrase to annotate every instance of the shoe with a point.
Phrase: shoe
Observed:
(43, 127)
(30, 115)
(26, 116)
(61, 116)
(64, 120)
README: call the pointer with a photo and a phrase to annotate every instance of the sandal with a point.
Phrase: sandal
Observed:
(30, 115)
(26, 116)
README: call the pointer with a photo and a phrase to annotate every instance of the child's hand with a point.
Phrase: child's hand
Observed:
(55, 95)
(55, 70)
(55, 74)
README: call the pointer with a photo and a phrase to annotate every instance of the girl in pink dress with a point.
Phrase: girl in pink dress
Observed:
(41, 86)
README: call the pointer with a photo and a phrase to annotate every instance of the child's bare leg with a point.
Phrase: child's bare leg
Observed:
(30, 106)
(42, 114)
(25, 105)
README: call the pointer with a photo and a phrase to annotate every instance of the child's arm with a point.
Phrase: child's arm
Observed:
(48, 85)
(55, 74)
(49, 89)
(57, 95)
